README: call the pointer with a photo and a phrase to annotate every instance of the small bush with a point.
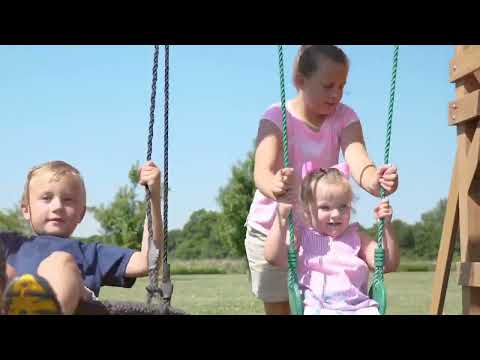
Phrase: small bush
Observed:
(416, 266)
(208, 266)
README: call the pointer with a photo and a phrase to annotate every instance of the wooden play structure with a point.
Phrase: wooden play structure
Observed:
(462, 216)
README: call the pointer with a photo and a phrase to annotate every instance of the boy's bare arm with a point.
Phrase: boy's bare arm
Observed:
(138, 264)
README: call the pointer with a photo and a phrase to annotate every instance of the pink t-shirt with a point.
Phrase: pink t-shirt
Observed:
(331, 270)
(321, 148)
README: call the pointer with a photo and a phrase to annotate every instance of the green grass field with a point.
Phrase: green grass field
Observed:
(408, 293)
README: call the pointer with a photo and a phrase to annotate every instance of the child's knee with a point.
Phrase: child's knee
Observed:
(58, 260)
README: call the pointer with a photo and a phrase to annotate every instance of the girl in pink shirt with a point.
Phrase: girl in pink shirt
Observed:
(318, 127)
(334, 256)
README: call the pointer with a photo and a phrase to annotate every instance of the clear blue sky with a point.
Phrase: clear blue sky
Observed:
(89, 105)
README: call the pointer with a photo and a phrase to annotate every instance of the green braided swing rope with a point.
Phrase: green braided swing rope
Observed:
(294, 295)
(377, 290)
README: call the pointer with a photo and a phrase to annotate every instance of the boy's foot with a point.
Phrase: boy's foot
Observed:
(30, 295)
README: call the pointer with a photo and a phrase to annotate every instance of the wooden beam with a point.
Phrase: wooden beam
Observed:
(477, 75)
(469, 305)
(465, 62)
(463, 69)
(472, 160)
(469, 274)
(447, 244)
(463, 205)
(469, 213)
(465, 108)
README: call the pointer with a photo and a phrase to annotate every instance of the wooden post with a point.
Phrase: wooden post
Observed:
(463, 206)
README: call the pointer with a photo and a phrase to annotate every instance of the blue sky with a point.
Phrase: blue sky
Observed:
(89, 106)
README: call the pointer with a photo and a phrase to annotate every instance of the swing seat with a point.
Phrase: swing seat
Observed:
(99, 307)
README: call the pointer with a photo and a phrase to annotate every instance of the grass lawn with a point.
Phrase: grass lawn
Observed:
(408, 293)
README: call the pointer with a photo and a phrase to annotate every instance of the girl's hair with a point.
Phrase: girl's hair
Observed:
(57, 169)
(309, 58)
(321, 177)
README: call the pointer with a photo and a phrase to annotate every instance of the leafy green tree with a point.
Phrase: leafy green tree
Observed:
(200, 237)
(13, 220)
(174, 237)
(404, 234)
(235, 200)
(122, 221)
(428, 231)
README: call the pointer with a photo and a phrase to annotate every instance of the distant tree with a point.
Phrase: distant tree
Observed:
(174, 238)
(200, 237)
(428, 231)
(404, 234)
(235, 200)
(13, 220)
(122, 221)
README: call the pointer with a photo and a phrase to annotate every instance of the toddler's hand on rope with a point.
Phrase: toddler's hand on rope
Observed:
(388, 178)
(384, 211)
(284, 209)
(289, 185)
(150, 176)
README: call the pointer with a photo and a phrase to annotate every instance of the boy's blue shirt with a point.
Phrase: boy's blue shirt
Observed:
(99, 264)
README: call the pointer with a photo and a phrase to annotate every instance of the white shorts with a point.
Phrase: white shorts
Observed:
(269, 283)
